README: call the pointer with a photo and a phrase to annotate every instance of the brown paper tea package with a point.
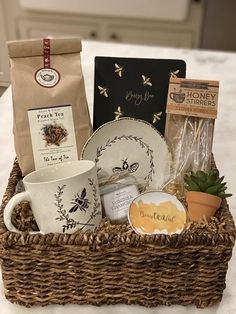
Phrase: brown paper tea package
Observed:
(51, 117)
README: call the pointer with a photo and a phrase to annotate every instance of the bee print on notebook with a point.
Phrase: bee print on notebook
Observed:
(80, 202)
(103, 91)
(126, 167)
(174, 73)
(146, 80)
(118, 70)
(156, 116)
(118, 113)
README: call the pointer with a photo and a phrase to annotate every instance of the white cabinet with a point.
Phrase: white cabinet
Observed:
(34, 21)
(42, 26)
(4, 63)
(172, 10)
(184, 33)
(150, 35)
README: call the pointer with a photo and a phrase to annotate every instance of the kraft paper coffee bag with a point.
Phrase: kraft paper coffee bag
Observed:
(51, 118)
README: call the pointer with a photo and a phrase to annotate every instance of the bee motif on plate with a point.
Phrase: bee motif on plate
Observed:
(119, 70)
(118, 113)
(156, 116)
(146, 80)
(103, 91)
(80, 202)
(126, 167)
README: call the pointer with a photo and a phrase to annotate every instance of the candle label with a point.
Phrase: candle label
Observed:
(116, 204)
(52, 135)
(196, 98)
(152, 218)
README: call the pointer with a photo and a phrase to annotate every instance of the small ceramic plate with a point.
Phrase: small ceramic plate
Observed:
(157, 212)
(130, 145)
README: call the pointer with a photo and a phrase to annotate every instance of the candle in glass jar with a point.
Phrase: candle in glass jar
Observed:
(117, 196)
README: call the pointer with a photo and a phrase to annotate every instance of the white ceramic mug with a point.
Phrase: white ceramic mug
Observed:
(64, 198)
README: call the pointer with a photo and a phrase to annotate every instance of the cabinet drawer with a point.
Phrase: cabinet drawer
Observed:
(41, 27)
(150, 36)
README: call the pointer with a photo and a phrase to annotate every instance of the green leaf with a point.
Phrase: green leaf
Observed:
(211, 180)
(213, 189)
(206, 182)
(223, 195)
(201, 175)
(222, 187)
(192, 186)
(222, 190)
(202, 184)
(220, 179)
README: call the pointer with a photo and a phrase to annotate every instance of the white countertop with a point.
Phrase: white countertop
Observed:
(200, 65)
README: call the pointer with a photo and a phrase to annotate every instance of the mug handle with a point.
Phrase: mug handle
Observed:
(16, 199)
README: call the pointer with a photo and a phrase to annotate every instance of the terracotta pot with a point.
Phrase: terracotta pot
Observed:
(202, 204)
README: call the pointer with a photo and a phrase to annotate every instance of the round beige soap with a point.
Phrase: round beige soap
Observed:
(156, 212)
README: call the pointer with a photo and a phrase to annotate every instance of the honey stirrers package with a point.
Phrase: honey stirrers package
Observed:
(51, 118)
(191, 114)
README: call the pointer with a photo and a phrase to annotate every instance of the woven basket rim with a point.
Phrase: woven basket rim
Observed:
(219, 231)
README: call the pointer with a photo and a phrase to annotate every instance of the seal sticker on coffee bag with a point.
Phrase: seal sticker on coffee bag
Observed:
(47, 76)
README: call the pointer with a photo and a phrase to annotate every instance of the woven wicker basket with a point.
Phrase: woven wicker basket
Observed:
(115, 265)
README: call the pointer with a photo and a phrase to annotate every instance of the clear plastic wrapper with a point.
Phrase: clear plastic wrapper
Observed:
(190, 140)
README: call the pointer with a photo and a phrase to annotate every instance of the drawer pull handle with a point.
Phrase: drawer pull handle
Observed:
(93, 35)
(114, 36)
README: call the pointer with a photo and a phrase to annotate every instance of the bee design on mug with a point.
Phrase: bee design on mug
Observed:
(125, 166)
(103, 91)
(146, 80)
(80, 202)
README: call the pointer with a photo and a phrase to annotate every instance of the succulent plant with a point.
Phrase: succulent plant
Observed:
(205, 182)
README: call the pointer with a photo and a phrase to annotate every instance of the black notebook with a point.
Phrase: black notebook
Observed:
(133, 87)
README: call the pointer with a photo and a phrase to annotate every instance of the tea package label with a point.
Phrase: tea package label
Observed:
(196, 98)
(133, 87)
(52, 135)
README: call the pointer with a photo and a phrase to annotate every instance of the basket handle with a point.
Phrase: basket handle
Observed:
(16, 199)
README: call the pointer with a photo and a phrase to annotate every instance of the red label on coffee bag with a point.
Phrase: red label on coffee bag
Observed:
(46, 52)
(47, 76)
